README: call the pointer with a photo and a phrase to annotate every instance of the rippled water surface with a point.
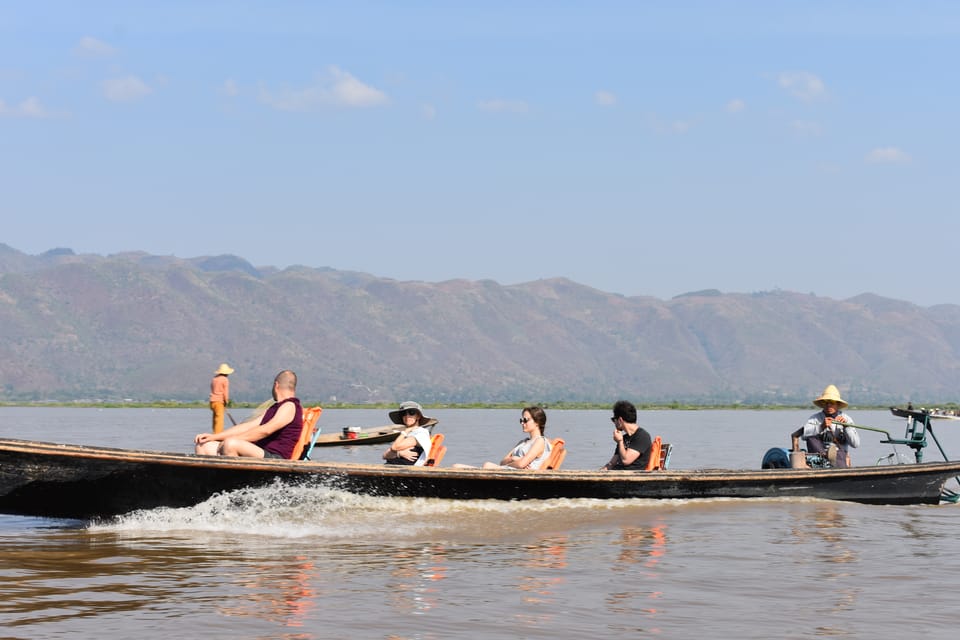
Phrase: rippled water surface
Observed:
(312, 562)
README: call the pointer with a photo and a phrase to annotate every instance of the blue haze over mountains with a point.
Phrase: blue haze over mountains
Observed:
(146, 327)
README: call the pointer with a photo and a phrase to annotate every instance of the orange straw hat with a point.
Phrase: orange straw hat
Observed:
(830, 394)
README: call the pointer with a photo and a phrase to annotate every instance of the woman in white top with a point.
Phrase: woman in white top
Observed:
(529, 452)
(412, 446)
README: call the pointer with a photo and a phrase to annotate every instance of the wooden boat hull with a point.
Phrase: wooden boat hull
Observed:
(72, 481)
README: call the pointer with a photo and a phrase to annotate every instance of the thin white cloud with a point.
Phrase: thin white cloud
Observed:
(503, 106)
(830, 168)
(802, 84)
(806, 128)
(736, 106)
(229, 88)
(429, 111)
(337, 89)
(670, 127)
(125, 89)
(888, 155)
(90, 46)
(29, 108)
(605, 98)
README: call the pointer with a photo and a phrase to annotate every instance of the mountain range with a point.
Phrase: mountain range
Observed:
(146, 327)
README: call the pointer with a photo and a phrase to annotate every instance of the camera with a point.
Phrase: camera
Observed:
(838, 437)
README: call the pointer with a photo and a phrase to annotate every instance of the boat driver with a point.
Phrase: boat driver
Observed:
(826, 432)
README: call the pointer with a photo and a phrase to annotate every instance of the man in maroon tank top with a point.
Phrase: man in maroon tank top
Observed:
(272, 436)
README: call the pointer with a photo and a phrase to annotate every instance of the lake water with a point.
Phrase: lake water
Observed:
(310, 563)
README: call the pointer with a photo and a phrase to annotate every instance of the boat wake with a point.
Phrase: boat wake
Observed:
(283, 510)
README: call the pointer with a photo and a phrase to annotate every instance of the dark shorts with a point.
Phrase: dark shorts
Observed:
(271, 454)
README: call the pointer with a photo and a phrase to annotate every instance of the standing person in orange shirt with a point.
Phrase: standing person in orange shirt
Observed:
(219, 395)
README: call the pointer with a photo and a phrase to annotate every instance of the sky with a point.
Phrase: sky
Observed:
(641, 148)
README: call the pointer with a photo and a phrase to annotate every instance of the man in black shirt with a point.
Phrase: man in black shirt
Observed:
(633, 441)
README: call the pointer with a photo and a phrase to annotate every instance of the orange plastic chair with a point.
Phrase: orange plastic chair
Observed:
(654, 462)
(309, 429)
(558, 451)
(437, 451)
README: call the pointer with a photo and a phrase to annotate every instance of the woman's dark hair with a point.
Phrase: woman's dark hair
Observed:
(539, 416)
(625, 411)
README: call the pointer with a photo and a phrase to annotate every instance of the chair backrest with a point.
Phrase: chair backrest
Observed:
(437, 451)
(558, 451)
(301, 451)
(665, 450)
(654, 462)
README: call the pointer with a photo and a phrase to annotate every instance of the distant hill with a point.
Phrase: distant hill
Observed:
(149, 327)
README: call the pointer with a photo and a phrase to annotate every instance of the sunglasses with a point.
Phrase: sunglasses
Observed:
(613, 419)
(525, 420)
(410, 412)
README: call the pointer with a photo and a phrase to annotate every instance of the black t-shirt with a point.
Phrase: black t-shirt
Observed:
(639, 441)
(398, 460)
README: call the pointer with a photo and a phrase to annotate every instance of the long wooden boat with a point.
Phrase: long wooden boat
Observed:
(375, 435)
(353, 437)
(73, 481)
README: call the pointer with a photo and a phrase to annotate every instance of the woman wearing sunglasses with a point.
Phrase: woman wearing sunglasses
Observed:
(529, 452)
(412, 446)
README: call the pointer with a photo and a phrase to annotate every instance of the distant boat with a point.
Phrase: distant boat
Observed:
(354, 436)
(376, 435)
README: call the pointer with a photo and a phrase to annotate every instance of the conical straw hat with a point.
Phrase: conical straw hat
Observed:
(830, 394)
